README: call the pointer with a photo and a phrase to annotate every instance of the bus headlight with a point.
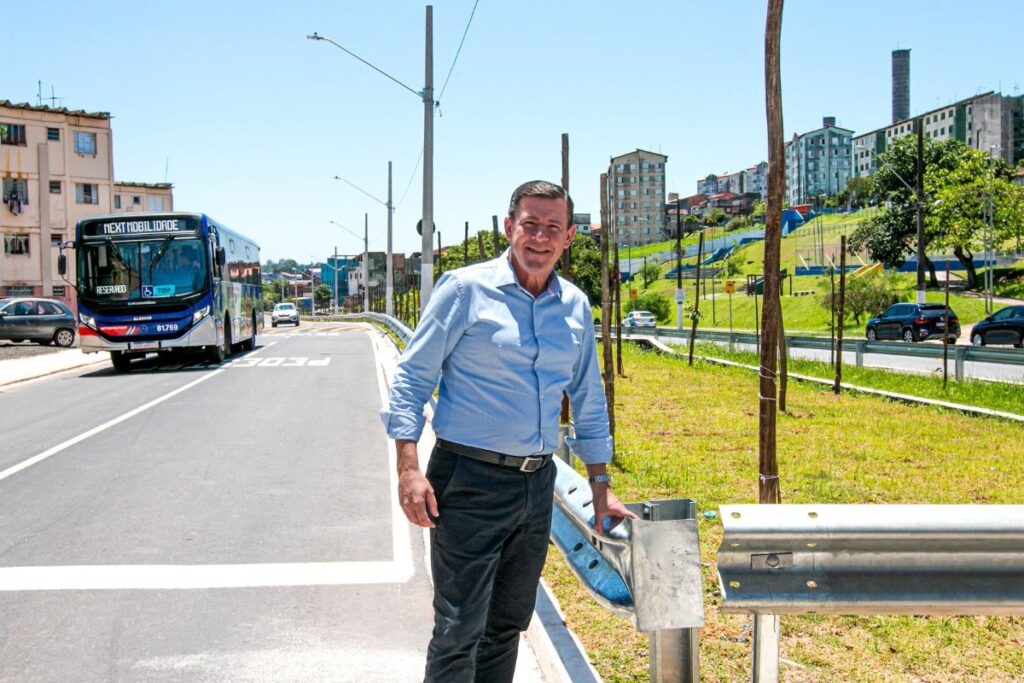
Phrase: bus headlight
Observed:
(200, 314)
(87, 320)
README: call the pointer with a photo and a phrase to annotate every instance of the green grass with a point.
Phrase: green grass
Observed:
(692, 432)
(1004, 396)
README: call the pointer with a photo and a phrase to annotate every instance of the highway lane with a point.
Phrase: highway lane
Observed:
(239, 529)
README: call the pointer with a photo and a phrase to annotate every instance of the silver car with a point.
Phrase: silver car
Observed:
(44, 321)
(284, 313)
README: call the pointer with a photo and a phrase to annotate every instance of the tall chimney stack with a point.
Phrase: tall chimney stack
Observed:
(900, 85)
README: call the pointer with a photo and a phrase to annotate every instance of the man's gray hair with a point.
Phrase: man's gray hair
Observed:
(539, 188)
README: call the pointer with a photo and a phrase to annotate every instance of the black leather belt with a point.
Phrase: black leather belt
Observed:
(523, 463)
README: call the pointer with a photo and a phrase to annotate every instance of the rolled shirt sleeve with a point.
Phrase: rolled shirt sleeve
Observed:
(419, 368)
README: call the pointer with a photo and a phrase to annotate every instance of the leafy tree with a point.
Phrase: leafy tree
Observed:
(737, 223)
(963, 192)
(585, 268)
(658, 304)
(716, 217)
(322, 295)
(869, 294)
(732, 266)
(691, 223)
(857, 192)
(650, 272)
(759, 211)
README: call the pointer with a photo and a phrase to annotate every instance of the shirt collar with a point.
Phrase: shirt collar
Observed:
(505, 274)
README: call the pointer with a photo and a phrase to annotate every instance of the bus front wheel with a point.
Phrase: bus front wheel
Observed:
(121, 361)
(218, 354)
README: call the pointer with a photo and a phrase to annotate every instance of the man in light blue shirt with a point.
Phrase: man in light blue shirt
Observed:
(506, 338)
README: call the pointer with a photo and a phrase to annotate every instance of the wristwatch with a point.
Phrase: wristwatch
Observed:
(600, 479)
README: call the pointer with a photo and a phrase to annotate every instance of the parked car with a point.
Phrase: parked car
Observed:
(44, 321)
(284, 313)
(1005, 326)
(914, 322)
(639, 319)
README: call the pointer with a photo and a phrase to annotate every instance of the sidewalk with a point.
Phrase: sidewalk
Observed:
(16, 370)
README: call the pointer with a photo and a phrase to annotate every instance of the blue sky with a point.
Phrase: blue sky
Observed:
(250, 121)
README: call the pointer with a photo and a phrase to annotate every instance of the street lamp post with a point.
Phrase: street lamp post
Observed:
(427, 97)
(366, 258)
(389, 287)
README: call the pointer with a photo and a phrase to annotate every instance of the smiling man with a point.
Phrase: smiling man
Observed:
(506, 338)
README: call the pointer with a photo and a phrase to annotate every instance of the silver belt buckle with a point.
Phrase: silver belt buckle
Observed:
(528, 461)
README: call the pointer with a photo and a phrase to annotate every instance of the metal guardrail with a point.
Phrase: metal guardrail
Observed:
(867, 559)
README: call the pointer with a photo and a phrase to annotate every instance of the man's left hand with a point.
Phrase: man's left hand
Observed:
(606, 504)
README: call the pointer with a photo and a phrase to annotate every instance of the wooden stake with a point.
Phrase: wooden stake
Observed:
(617, 281)
(606, 311)
(696, 298)
(945, 337)
(783, 362)
(836, 388)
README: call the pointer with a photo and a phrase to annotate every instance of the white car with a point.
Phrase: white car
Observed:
(284, 313)
(639, 319)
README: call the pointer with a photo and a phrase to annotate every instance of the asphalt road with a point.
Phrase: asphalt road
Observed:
(189, 522)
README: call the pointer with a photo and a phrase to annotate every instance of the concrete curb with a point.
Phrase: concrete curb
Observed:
(15, 371)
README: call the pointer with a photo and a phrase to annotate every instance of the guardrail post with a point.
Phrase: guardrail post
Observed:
(860, 354)
(562, 452)
(961, 356)
(674, 653)
(732, 342)
(766, 648)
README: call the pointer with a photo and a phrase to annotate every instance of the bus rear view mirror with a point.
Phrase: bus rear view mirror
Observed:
(62, 264)
(222, 257)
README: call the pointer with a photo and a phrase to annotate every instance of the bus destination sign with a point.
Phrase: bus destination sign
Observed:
(137, 226)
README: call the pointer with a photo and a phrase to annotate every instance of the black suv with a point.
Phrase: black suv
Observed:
(1005, 326)
(914, 322)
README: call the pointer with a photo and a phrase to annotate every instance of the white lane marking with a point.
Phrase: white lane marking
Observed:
(38, 458)
(183, 577)
(401, 541)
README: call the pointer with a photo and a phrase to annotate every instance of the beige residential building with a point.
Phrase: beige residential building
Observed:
(636, 185)
(139, 197)
(57, 167)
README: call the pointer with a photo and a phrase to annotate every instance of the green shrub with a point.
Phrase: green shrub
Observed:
(657, 304)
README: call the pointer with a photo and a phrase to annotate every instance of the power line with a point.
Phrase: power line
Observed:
(456, 59)
(411, 178)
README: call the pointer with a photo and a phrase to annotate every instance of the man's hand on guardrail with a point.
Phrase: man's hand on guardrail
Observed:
(608, 506)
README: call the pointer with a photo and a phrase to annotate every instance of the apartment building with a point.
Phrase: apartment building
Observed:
(636, 197)
(818, 163)
(987, 122)
(139, 197)
(752, 179)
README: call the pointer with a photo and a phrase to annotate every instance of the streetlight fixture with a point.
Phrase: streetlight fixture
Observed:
(427, 97)
(366, 258)
(389, 285)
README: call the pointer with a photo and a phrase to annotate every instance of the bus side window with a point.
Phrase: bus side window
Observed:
(213, 258)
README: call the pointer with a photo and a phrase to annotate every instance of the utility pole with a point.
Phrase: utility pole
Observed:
(497, 242)
(335, 279)
(679, 270)
(920, 210)
(606, 311)
(390, 267)
(465, 247)
(426, 263)
(567, 254)
(366, 263)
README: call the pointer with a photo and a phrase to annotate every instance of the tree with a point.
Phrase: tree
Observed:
(868, 294)
(857, 192)
(691, 223)
(650, 272)
(585, 268)
(737, 223)
(716, 217)
(757, 214)
(657, 304)
(732, 266)
(962, 193)
(322, 296)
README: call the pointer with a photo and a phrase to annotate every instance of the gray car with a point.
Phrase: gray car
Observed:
(44, 321)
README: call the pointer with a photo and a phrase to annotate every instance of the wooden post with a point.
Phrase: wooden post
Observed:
(836, 388)
(606, 310)
(465, 247)
(945, 337)
(768, 480)
(480, 245)
(567, 254)
(696, 298)
(783, 362)
(617, 293)
(832, 313)
(494, 227)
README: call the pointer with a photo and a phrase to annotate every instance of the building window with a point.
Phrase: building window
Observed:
(19, 290)
(85, 143)
(53, 134)
(54, 187)
(12, 134)
(16, 245)
(56, 239)
(15, 194)
(87, 193)
(136, 200)
(117, 201)
(59, 291)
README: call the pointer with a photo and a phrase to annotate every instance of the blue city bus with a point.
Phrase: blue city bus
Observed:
(165, 283)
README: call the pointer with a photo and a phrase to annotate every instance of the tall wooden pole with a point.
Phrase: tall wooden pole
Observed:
(783, 362)
(494, 229)
(606, 310)
(465, 246)
(768, 481)
(837, 387)
(567, 254)
(617, 292)
(696, 297)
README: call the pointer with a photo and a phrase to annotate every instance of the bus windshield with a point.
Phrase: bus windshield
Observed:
(121, 270)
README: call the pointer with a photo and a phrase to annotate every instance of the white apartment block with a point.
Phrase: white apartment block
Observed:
(636, 186)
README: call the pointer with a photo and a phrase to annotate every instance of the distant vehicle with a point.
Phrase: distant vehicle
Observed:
(639, 319)
(165, 282)
(284, 313)
(44, 321)
(1005, 326)
(914, 322)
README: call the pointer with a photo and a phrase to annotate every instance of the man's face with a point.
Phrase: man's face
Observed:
(538, 235)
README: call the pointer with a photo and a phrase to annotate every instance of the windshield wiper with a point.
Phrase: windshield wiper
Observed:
(159, 254)
(117, 255)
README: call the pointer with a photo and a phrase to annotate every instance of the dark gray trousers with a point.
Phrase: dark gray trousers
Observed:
(487, 552)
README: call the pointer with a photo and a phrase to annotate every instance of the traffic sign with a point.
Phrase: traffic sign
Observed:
(680, 296)
(730, 286)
